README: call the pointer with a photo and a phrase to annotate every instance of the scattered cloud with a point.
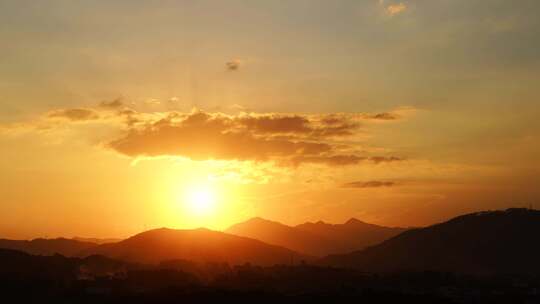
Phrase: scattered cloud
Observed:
(233, 65)
(276, 123)
(238, 107)
(395, 9)
(152, 102)
(330, 160)
(300, 125)
(342, 159)
(112, 104)
(284, 139)
(368, 184)
(75, 114)
(384, 159)
(383, 116)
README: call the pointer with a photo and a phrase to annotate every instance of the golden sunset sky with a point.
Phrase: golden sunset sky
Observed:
(122, 116)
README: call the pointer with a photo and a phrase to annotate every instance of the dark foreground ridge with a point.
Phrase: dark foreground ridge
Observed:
(490, 242)
(96, 279)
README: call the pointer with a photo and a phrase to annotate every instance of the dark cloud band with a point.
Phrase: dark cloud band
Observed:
(287, 139)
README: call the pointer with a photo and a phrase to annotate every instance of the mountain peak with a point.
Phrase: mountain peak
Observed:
(353, 221)
(257, 221)
(156, 231)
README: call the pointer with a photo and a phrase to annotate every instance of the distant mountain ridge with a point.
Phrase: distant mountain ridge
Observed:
(200, 245)
(63, 246)
(490, 242)
(98, 241)
(483, 242)
(309, 239)
(318, 238)
(353, 234)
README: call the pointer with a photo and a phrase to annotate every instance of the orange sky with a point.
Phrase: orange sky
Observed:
(122, 117)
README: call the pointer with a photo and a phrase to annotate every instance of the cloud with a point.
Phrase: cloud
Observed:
(384, 159)
(233, 65)
(238, 108)
(312, 127)
(282, 139)
(330, 160)
(383, 116)
(290, 140)
(368, 184)
(152, 102)
(341, 159)
(276, 124)
(113, 104)
(395, 9)
(75, 114)
(202, 136)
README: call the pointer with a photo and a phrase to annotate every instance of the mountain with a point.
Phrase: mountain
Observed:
(96, 240)
(199, 245)
(351, 235)
(317, 239)
(481, 243)
(66, 247)
(282, 235)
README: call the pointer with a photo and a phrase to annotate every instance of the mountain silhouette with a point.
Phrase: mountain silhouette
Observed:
(282, 235)
(479, 243)
(351, 235)
(317, 239)
(97, 240)
(63, 246)
(199, 245)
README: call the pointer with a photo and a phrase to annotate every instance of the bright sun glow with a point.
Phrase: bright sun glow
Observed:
(201, 200)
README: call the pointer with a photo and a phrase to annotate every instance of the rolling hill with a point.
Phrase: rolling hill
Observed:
(66, 247)
(481, 243)
(318, 239)
(199, 245)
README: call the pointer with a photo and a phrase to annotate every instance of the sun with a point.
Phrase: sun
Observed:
(201, 200)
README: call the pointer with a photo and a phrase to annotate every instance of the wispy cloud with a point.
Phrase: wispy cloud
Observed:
(75, 114)
(233, 65)
(395, 9)
(112, 104)
(368, 184)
